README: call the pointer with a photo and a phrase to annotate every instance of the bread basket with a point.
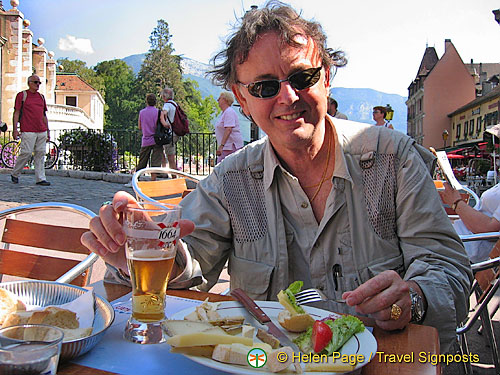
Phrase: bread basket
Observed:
(44, 293)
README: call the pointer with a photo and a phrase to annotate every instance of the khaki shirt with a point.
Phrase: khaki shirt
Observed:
(383, 213)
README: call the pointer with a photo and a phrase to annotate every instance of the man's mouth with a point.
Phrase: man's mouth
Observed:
(290, 117)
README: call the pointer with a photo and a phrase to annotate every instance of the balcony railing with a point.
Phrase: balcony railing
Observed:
(195, 152)
(68, 117)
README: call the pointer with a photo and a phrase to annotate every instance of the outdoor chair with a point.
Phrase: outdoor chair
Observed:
(169, 191)
(484, 287)
(34, 249)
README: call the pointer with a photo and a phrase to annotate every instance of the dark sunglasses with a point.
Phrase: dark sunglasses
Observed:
(270, 88)
(36, 82)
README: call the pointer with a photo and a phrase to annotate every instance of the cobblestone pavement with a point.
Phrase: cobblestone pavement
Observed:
(87, 193)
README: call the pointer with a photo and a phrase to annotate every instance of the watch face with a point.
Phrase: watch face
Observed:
(417, 306)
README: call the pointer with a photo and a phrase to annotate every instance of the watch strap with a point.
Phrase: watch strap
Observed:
(455, 204)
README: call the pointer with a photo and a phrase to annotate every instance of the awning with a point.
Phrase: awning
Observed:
(455, 151)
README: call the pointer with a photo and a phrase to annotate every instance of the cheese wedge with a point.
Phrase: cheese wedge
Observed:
(276, 365)
(179, 327)
(213, 336)
(329, 366)
(248, 331)
(199, 351)
(238, 354)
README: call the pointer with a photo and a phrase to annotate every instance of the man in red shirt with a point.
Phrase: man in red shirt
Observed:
(30, 111)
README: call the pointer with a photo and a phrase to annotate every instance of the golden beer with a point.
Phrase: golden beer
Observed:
(149, 274)
(152, 233)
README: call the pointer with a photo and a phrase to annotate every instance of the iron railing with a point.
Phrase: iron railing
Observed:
(195, 152)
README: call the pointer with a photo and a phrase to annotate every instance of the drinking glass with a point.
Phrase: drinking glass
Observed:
(152, 231)
(30, 349)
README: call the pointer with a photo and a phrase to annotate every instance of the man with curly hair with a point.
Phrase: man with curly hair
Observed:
(345, 207)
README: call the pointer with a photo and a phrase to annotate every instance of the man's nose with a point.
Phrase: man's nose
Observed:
(287, 93)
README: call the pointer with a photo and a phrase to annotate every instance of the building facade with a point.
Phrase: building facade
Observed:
(440, 87)
(471, 120)
(20, 58)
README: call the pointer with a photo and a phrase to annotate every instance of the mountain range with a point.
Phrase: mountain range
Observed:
(356, 103)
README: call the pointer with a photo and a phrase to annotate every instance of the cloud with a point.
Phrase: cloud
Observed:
(80, 46)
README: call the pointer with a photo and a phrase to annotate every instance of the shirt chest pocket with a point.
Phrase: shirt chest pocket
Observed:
(252, 276)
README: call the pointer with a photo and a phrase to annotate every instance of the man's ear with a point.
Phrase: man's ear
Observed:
(241, 100)
(327, 78)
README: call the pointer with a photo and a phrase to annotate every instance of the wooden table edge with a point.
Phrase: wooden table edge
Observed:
(389, 340)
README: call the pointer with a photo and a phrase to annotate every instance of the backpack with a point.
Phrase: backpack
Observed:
(163, 135)
(180, 125)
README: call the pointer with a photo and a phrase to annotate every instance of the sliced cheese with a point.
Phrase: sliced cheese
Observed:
(199, 351)
(329, 366)
(179, 327)
(214, 336)
(238, 353)
(274, 364)
(248, 331)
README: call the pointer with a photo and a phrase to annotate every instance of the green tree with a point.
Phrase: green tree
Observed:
(201, 112)
(87, 74)
(161, 67)
(122, 100)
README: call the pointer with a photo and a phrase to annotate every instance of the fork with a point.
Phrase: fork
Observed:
(313, 295)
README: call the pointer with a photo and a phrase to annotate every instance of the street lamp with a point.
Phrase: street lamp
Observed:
(389, 113)
(445, 138)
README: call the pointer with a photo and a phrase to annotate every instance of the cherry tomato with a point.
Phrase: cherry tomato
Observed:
(321, 336)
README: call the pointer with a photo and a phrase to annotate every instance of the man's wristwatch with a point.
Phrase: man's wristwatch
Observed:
(417, 307)
(455, 204)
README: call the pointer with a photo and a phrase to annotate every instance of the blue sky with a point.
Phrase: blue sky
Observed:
(384, 40)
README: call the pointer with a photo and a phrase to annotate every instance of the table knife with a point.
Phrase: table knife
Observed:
(263, 319)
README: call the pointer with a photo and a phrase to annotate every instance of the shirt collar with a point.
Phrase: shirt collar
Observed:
(271, 161)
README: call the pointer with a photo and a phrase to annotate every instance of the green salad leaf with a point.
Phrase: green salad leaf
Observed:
(293, 289)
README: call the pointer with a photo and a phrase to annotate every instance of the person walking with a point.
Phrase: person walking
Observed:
(30, 111)
(147, 125)
(227, 128)
(168, 115)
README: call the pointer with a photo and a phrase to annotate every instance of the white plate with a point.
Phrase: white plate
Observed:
(361, 343)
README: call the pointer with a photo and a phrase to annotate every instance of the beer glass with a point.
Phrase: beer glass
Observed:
(152, 231)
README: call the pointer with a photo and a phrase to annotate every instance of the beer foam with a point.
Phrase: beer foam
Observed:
(150, 255)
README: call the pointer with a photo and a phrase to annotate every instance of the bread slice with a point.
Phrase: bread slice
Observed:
(295, 323)
(9, 303)
(283, 299)
(16, 318)
(55, 316)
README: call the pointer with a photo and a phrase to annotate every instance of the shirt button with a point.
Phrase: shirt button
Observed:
(304, 205)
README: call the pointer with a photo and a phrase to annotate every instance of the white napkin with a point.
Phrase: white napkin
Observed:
(83, 306)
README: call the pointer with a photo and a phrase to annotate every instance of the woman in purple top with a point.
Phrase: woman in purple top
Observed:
(147, 124)
(227, 128)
